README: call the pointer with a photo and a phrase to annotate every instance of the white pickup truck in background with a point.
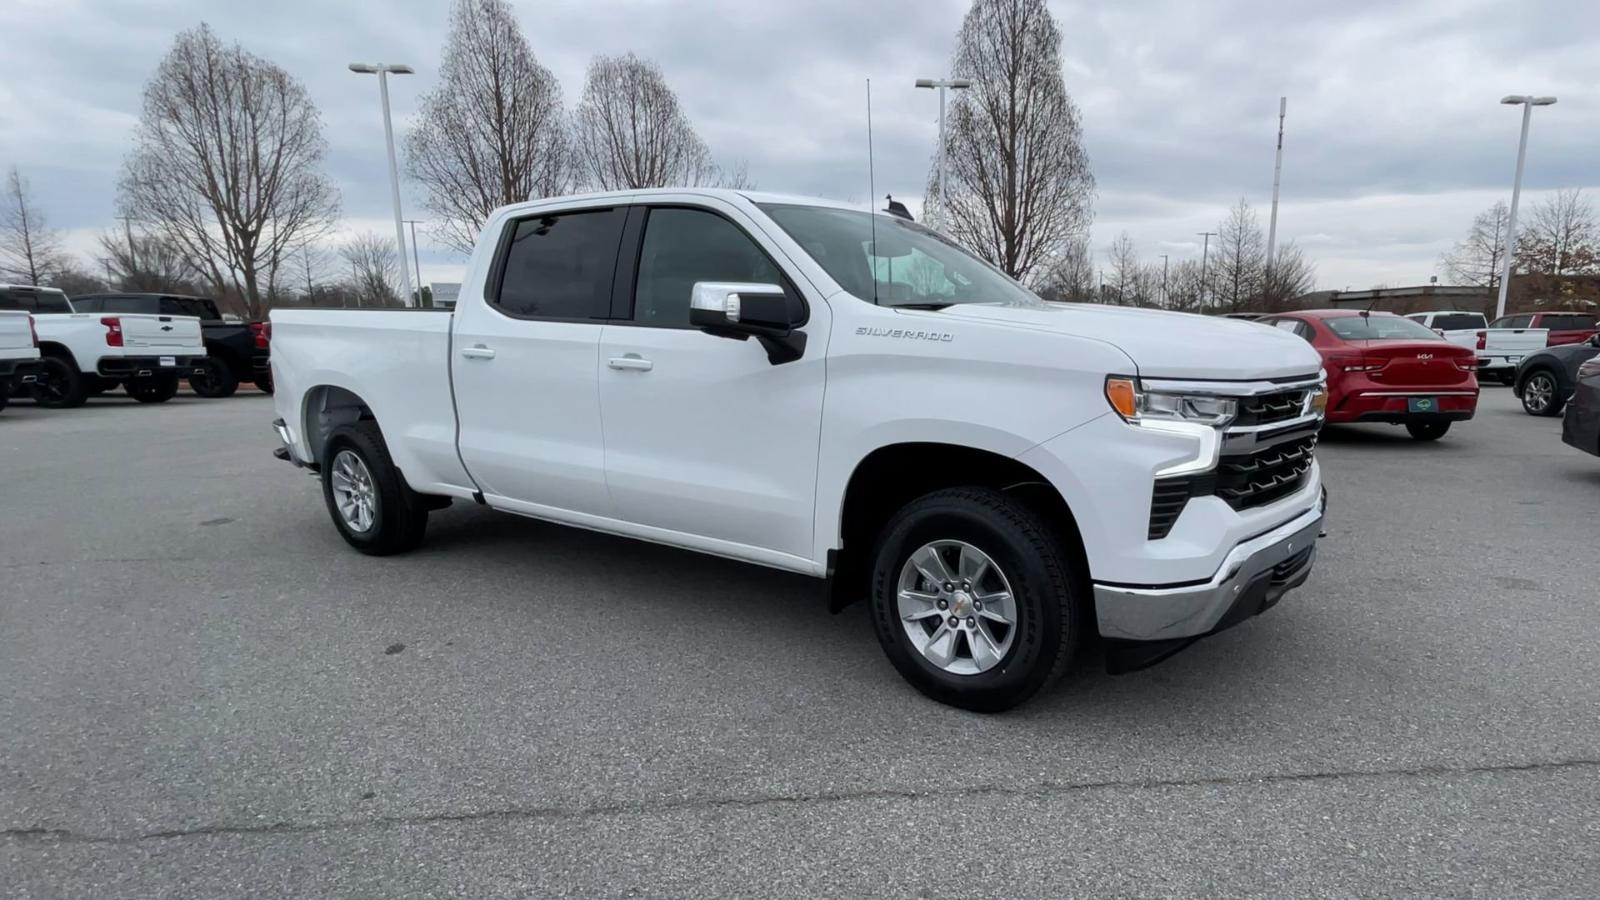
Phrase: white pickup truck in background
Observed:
(814, 388)
(19, 352)
(1457, 327)
(87, 354)
(1502, 349)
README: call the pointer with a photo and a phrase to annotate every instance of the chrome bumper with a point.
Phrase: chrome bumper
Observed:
(1252, 578)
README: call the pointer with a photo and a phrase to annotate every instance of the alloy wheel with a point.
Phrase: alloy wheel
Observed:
(353, 491)
(956, 607)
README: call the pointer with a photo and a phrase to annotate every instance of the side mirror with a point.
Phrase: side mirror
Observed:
(741, 311)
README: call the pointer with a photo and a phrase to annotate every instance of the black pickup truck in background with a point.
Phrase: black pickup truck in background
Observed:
(235, 351)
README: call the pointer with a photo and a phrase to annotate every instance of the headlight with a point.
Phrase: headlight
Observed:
(1135, 404)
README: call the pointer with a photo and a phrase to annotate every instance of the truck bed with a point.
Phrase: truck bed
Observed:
(401, 357)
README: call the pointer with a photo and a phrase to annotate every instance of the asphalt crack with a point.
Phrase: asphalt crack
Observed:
(557, 812)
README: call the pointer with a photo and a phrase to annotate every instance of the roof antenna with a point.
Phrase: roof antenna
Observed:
(872, 197)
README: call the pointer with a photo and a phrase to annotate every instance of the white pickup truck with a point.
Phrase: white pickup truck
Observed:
(19, 352)
(87, 354)
(1505, 343)
(814, 388)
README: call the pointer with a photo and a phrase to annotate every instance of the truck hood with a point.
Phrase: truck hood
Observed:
(1162, 344)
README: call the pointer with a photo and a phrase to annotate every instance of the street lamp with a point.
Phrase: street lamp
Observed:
(954, 84)
(1527, 103)
(383, 71)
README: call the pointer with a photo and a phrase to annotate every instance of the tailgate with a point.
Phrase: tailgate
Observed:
(1514, 340)
(170, 333)
(16, 338)
(1467, 338)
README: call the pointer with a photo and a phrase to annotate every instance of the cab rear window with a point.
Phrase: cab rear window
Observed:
(1379, 328)
(1458, 322)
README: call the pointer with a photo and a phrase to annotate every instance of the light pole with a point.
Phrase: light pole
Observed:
(383, 70)
(954, 84)
(1204, 249)
(1527, 103)
(1277, 172)
(1164, 303)
(414, 259)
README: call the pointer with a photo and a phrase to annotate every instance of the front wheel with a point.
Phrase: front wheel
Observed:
(1427, 431)
(214, 380)
(1541, 396)
(155, 389)
(59, 386)
(973, 598)
(374, 509)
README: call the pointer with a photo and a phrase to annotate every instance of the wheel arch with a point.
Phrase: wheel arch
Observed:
(57, 350)
(325, 408)
(893, 475)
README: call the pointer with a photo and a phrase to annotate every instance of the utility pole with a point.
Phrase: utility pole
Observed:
(1204, 249)
(414, 259)
(1277, 171)
(1527, 103)
(1164, 303)
(954, 84)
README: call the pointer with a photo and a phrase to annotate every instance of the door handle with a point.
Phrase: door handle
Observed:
(631, 361)
(477, 352)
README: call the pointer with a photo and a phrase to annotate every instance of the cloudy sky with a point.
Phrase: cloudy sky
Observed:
(1394, 136)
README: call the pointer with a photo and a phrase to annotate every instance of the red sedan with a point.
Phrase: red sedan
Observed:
(1384, 368)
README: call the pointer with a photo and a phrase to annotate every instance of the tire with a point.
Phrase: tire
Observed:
(1023, 552)
(1507, 377)
(264, 383)
(396, 516)
(5, 392)
(59, 386)
(218, 380)
(1541, 394)
(155, 389)
(1427, 431)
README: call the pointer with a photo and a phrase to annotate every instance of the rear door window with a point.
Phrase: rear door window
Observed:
(559, 266)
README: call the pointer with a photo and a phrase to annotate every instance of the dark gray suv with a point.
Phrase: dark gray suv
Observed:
(1546, 379)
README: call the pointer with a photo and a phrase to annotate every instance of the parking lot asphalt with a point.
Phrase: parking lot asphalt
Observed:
(205, 693)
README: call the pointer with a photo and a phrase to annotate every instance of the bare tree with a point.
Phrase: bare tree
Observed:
(1125, 284)
(1240, 254)
(1561, 237)
(1289, 277)
(226, 165)
(30, 250)
(631, 132)
(1019, 183)
(1187, 286)
(142, 262)
(493, 132)
(1070, 278)
(374, 269)
(1480, 257)
(72, 280)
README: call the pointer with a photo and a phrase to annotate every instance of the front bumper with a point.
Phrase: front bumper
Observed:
(145, 366)
(1252, 578)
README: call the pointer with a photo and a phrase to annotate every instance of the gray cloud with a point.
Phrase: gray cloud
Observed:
(1394, 134)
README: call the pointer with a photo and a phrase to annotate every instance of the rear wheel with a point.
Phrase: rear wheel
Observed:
(1541, 396)
(155, 389)
(59, 384)
(1427, 431)
(973, 599)
(214, 380)
(374, 509)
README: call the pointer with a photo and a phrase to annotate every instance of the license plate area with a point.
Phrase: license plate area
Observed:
(168, 362)
(1422, 404)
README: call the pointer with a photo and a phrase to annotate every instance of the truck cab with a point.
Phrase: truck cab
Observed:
(816, 388)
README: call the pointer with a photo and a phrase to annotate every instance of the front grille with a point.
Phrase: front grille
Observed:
(1256, 479)
(1269, 408)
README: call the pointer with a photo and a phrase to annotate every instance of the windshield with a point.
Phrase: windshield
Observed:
(1379, 328)
(911, 265)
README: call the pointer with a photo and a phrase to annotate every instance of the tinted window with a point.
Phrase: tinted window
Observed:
(1457, 321)
(189, 306)
(35, 301)
(683, 246)
(1570, 322)
(1379, 328)
(560, 266)
(87, 304)
(125, 305)
(1512, 322)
